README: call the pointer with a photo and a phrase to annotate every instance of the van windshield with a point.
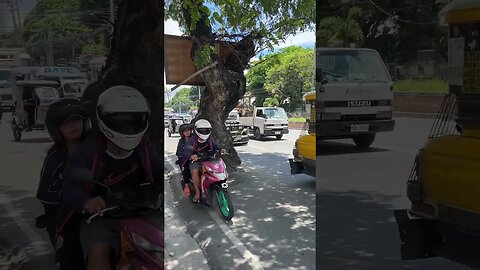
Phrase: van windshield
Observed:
(351, 65)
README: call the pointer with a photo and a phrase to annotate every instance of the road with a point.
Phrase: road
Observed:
(356, 195)
(274, 223)
(20, 169)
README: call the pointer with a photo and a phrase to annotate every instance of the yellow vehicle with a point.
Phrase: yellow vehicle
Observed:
(304, 153)
(444, 186)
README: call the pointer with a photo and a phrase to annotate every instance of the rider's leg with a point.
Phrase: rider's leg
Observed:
(195, 168)
(100, 243)
(99, 257)
(196, 183)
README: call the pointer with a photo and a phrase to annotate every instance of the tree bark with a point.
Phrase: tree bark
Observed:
(136, 60)
(225, 84)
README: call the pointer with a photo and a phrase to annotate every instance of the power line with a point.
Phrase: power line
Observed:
(397, 18)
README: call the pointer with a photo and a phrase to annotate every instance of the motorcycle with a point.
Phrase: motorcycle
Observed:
(214, 186)
(141, 225)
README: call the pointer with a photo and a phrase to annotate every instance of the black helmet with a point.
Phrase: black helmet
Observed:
(62, 110)
(184, 127)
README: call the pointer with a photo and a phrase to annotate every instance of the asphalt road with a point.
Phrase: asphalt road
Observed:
(357, 192)
(20, 169)
(274, 223)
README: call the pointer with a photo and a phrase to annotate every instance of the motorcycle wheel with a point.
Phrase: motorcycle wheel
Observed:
(224, 203)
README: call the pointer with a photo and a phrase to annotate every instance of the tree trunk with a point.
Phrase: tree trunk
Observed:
(136, 60)
(225, 83)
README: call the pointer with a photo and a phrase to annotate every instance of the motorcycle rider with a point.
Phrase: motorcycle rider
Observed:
(185, 131)
(199, 142)
(121, 158)
(68, 125)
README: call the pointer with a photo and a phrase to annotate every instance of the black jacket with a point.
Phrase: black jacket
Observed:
(192, 146)
(74, 194)
(51, 176)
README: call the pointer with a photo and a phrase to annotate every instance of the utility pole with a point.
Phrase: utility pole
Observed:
(112, 15)
(20, 23)
(12, 9)
(49, 47)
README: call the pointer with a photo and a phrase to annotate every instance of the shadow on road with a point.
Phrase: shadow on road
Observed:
(327, 148)
(356, 231)
(275, 213)
(15, 219)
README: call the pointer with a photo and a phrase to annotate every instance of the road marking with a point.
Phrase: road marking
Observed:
(36, 242)
(249, 257)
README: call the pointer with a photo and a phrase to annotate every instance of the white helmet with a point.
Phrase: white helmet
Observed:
(123, 113)
(203, 129)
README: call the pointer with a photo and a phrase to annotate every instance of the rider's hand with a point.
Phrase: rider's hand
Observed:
(223, 151)
(95, 205)
(194, 157)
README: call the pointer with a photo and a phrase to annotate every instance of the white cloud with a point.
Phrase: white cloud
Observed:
(298, 39)
(172, 27)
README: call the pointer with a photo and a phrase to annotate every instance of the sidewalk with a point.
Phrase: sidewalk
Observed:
(181, 250)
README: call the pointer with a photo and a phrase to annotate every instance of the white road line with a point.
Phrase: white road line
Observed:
(250, 258)
(36, 241)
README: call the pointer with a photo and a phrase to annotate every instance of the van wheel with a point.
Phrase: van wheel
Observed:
(256, 134)
(364, 140)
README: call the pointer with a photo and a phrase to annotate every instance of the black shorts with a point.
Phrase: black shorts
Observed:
(100, 230)
(195, 165)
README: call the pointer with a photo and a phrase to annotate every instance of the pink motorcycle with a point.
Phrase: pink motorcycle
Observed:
(214, 187)
(141, 222)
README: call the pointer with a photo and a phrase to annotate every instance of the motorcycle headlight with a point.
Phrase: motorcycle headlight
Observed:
(145, 244)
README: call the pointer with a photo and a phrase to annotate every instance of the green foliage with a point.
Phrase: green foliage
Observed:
(269, 21)
(421, 86)
(291, 77)
(97, 48)
(338, 31)
(66, 20)
(182, 99)
(271, 102)
(284, 76)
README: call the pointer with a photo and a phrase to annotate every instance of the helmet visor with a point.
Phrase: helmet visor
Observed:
(127, 123)
(204, 131)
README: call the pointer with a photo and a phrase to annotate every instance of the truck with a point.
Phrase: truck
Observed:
(266, 121)
(238, 132)
(354, 95)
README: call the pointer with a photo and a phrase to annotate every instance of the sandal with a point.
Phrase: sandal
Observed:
(195, 200)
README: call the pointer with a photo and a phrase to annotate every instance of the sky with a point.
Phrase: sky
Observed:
(304, 39)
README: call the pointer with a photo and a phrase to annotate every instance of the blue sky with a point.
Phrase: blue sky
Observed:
(304, 39)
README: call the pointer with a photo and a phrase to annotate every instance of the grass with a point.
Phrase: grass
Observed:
(421, 86)
(297, 120)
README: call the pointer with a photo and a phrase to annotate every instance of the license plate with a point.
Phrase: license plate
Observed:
(359, 128)
(278, 132)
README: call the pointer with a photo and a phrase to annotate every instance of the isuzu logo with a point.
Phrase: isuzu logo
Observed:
(359, 103)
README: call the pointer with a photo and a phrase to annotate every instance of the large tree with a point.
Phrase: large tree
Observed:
(246, 26)
(135, 59)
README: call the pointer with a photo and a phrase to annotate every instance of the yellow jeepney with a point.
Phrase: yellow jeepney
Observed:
(304, 152)
(444, 185)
